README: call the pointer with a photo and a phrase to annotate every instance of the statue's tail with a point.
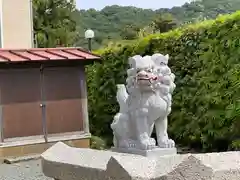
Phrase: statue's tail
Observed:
(119, 124)
(122, 97)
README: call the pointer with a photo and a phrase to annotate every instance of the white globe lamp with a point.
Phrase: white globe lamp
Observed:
(89, 35)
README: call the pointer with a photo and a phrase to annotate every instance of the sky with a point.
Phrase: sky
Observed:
(146, 4)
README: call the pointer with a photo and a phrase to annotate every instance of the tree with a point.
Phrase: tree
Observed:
(150, 29)
(113, 20)
(54, 23)
(164, 22)
(129, 32)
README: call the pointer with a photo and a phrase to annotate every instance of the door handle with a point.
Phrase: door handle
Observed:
(42, 105)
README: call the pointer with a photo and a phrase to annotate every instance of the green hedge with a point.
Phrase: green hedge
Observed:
(206, 105)
(97, 143)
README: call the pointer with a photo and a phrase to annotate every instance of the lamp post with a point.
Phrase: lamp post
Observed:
(89, 35)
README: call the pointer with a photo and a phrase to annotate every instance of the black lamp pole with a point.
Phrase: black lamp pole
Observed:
(90, 44)
(89, 34)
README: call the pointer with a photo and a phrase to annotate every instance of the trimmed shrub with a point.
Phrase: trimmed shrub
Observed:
(206, 104)
(97, 143)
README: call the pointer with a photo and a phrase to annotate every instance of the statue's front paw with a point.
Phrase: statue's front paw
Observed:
(169, 143)
(143, 146)
(145, 142)
(152, 142)
(148, 143)
(132, 144)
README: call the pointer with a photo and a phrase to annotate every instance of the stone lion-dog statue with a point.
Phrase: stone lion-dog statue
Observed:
(144, 102)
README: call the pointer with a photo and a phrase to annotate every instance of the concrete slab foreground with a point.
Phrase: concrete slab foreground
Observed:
(66, 163)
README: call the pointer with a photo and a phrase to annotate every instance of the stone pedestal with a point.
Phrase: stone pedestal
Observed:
(154, 153)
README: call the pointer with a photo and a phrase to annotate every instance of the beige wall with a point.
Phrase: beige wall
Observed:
(16, 24)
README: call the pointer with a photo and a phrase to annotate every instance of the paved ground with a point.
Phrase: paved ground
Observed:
(30, 170)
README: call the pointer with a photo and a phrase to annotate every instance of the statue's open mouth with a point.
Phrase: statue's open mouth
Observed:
(147, 79)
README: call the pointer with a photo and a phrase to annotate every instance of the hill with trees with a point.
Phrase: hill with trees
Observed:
(114, 23)
(59, 23)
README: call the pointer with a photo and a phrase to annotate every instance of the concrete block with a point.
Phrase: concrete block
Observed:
(66, 163)
(190, 168)
(225, 165)
(178, 167)
(130, 168)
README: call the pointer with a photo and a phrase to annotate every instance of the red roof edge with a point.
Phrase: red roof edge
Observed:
(47, 54)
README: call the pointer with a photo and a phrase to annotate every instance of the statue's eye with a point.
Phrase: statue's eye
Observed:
(149, 70)
(138, 70)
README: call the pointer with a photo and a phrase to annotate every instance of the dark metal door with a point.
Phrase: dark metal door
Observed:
(63, 100)
(20, 103)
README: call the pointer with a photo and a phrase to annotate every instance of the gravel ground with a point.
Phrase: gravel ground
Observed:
(29, 170)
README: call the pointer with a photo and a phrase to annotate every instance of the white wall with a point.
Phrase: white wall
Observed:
(16, 24)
